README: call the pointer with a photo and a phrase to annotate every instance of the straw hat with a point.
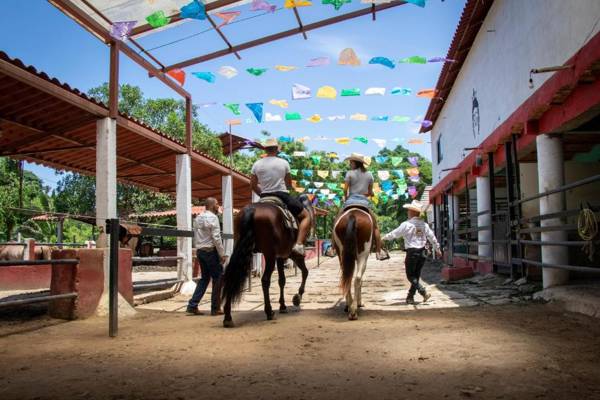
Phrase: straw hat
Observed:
(359, 158)
(415, 205)
(270, 142)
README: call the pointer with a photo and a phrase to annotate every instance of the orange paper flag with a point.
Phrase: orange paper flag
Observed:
(178, 75)
(415, 141)
(427, 93)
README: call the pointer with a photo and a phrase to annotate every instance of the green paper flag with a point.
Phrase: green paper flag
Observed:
(414, 60)
(294, 172)
(332, 186)
(396, 161)
(337, 4)
(400, 118)
(293, 116)
(233, 107)
(256, 71)
(158, 19)
(361, 139)
(350, 92)
(316, 160)
(337, 202)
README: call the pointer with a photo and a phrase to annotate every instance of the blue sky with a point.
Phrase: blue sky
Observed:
(39, 34)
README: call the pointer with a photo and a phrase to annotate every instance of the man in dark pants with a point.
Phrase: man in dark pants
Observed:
(415, 233)
(211, 257)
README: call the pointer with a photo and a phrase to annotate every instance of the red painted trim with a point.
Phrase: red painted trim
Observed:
(582, 98)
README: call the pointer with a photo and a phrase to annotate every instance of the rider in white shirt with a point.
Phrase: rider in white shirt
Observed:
(415, 233)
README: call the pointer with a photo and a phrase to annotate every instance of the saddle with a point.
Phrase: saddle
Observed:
(289, 220)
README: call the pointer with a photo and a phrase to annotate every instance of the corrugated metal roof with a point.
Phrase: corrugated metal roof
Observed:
(471, 20)
(47, 122)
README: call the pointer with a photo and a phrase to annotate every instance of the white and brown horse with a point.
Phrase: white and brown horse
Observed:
(352, 237)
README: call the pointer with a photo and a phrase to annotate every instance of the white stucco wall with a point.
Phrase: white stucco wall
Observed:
(515, 37)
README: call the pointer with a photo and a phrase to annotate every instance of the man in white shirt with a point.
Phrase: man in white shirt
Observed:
(211, 257)
(271, 177)
(415, 233)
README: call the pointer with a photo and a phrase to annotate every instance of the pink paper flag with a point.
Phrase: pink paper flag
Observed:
(227, 16)
(318, 62)
(262, 5)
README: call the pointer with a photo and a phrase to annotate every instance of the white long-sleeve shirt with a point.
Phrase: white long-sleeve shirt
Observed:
(415, 232)
(207, 232)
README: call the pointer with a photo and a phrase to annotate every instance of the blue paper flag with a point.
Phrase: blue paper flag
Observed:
(286, 139)
(284, 156)
(194, 10)
(381, 159)
(205, 76)
(257, 110)
(381, 118)
(387, 185)
(307, 172)
(386, 62)
(399, 173)
(420, 3)
(401, 91)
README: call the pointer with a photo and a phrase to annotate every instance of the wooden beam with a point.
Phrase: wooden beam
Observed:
(149, 134)
(89, 23)
(188, 125)
(300, 24)
(284, 34)
(113, 82)
(50, 150)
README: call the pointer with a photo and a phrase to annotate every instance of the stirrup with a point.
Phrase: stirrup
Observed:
(383, 255)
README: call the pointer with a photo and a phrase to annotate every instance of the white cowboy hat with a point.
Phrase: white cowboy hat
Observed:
(359, 158)
(270, 142)
(415, 205)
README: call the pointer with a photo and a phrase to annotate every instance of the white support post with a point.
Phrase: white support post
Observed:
(106, 203)
(484, 204)
(106, 178)
(552, 175)
(257, 258)
(227, 203)
(452, 217)
(183, 176)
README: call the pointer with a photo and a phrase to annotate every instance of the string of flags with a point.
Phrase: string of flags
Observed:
(196, 9)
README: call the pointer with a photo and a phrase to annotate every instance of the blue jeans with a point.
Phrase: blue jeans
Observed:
(211, 269)
(357, 200)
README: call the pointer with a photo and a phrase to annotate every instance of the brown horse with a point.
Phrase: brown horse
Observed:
(352, 236)
(260, 227)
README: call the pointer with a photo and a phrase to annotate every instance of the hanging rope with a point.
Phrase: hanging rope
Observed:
(587, 227)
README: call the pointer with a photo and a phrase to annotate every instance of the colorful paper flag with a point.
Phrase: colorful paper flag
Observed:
(158, 19)
(323, 173)
(193, 10)
(299, 154)
(412, 171)
(256, 71)
(349, 57)
(420, 3)
(337, 4)
(375, 91)
(318, 62)
(383, 175)
(350, 92)
(412, 191)
(327, 92)
(414, 60)
(285, 68)
(413, 160)
(336, 117)
(396, 161)
(440, 59)
(314, 118)
(300, 92)
(272, 117)
(386, 62)
(400, 118)
(233, 107)
(427, 93)
(262, 5)
(297, 3)
(380, 142)
(361, 139)
(178, 75)
(399, 173)
(205, 76)
(227, 17)
(415, 141)
(401, 91)
(293, 116)
(381, 159)
(121, 30)
(227, 71)
(381, 118)
(233, 122)
(359, 117)
(342, 140)
(279, 103)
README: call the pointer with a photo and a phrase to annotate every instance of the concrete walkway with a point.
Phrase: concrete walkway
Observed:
(385, 288)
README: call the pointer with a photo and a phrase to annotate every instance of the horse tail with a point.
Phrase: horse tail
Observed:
(236, 271)
(349, 254)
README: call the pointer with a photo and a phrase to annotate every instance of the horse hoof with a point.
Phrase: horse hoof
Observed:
(283, 310)
(228, 323)
(346, 309)
(270, 316)
(296, 300)
(361, 305)
(353, 316)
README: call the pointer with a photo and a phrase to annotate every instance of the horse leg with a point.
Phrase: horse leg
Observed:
(227, 320)
(362, 267)
(281, 274)
(266, 283)
(299, 260)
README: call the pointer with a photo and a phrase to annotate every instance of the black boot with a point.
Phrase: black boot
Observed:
(410, 299)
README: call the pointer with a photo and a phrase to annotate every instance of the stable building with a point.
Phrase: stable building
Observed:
(516, 141)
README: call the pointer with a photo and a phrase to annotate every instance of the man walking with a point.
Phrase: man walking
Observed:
(415, 233)
(211, 257)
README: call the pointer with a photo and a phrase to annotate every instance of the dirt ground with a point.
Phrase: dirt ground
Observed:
(482, 338)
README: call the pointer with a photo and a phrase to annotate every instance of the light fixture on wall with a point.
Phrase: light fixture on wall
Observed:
(545, 70)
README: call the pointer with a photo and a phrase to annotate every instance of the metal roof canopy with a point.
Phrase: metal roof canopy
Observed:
(98, 15)
(49, 123)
